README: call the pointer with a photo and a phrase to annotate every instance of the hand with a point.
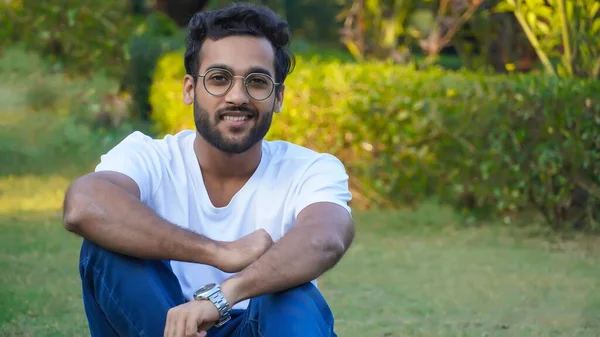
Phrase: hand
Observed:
(191, 319)
(239, 254)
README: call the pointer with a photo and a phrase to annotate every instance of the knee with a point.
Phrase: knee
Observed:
(299, 311)
(101, 260)
(303, 292)
(299, 301)
(98, 264)
(92, 253)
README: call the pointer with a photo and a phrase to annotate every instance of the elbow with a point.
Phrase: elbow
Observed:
(331, 249)
(70, 222)
(334, 246)
(71, 216)
(72, 208)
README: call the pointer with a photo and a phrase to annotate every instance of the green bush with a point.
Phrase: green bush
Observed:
(45, 144)
(155, 35)
(29, 85)
(85, 37)
(486, 144)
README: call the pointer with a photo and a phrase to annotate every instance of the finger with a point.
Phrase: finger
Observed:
(168, 323)
(191, 326)
(205, 326)
(201, 334)
(179, 327)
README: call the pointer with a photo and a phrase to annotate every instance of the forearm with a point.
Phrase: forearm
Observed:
(106, 214)
(302, 255)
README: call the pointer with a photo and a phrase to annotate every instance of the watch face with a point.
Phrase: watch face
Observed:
(206, 288)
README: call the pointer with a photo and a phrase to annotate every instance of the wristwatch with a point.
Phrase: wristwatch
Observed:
(212, 292)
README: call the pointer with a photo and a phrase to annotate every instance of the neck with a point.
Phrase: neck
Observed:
(223, 165)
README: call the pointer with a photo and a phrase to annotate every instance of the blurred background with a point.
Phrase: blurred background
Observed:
(470, 130)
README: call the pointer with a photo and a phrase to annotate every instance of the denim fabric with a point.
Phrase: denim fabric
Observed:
(125, 296)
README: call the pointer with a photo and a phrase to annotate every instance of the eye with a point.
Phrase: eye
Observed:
(219, 78)
(258, 81)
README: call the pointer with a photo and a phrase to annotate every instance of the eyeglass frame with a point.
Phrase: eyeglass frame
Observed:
(203, 76)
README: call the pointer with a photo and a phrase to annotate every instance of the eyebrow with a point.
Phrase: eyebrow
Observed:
(254, 69)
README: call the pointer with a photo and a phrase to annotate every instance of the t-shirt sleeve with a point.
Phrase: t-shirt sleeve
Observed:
(325, 180)
(137, 157)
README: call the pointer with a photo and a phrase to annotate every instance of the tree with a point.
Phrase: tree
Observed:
(564, 34)
(181, 11)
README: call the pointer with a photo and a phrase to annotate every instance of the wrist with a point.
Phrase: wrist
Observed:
(231, 290)
(209, 252)
(212, 292)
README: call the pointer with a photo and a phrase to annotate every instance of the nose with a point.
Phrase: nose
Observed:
(237, 95)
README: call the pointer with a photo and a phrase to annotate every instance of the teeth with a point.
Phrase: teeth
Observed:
(235, 118)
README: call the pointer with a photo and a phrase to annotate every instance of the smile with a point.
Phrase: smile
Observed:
(236, 118)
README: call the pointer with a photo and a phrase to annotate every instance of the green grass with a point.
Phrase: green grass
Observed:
(395, 280)
(462, 282)
(409, 273)
(40, 295)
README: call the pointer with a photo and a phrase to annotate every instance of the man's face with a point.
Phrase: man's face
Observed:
(233, 122)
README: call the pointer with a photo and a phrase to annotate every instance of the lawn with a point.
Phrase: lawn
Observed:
(415, 272)
(396, 280)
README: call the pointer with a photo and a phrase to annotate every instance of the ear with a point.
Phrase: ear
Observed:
(189, 91)
(279, 100)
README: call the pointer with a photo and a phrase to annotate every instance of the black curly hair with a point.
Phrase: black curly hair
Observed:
(240, 19)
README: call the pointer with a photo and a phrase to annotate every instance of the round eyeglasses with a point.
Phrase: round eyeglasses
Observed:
(218, 82)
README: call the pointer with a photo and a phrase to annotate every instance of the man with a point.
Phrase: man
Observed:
(215, 230)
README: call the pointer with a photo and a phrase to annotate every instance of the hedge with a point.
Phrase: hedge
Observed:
(486, 144)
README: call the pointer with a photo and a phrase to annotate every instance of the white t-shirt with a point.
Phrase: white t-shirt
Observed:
(288, 178)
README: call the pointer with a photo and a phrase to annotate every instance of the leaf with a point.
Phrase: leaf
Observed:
(373, 7)
(533, 4)
(594, 7)
(531, 19)
(596, 69)
(569, 9)
(390, 33)
(546, 12)
(504, 7)
(595, 27)
(71, 16)
(543, 27)
(354, 50)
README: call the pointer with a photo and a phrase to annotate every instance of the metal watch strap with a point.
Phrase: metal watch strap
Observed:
(221, 303)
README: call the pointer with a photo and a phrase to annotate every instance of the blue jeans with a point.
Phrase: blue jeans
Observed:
(126, 296)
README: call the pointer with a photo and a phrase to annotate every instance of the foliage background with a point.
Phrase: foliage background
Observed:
(491, 107)
(486, 144)
(469, 129)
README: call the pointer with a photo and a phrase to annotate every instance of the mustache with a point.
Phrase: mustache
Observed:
(242, 108)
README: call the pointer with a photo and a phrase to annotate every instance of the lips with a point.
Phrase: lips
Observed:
(236, 118)
(239, 112)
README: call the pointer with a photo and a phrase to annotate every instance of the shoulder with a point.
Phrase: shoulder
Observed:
(299, 159)
(145, 159)
(314, 176)
(140, 139)
(139, 144)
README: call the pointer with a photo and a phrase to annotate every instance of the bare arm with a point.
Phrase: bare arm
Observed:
(105, 207)
(323, 233)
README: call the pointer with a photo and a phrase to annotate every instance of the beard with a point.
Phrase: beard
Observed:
(208, 129)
